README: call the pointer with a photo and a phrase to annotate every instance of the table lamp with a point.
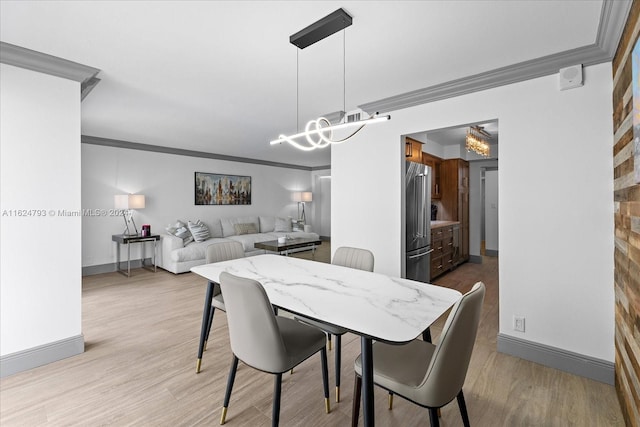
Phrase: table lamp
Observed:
(127, 202)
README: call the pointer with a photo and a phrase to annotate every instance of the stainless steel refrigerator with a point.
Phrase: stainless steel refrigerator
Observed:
(418, 221)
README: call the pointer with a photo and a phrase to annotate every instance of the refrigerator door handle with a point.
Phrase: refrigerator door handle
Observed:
(421, 196)
(421, 255)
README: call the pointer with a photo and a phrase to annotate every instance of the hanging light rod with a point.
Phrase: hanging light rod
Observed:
(330, 24)
(324, 131)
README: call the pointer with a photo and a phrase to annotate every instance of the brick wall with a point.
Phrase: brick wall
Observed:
(627, 227)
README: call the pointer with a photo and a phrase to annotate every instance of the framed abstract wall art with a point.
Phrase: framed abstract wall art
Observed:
(217, 189)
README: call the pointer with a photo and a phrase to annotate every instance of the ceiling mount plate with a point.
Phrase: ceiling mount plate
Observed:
(321, 29)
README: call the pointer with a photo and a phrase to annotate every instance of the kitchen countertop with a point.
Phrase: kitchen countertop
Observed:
(438, 224)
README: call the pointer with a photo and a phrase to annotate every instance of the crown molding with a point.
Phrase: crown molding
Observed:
(48, 64)
(612, 20)
(107, 142)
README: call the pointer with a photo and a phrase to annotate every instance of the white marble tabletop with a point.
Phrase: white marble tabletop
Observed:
(369, 304)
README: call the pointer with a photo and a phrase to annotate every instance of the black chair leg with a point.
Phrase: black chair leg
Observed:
(227, 393)
(204, 328)
(329, 339)
(433, 417)
(463, 409)
(338, 358)
(277, 388)
(355, 409)
(325, 378)
(426, 335)
(206, 338)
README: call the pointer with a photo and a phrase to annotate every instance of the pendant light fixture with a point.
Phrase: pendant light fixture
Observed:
(476, 140)
(319, 133)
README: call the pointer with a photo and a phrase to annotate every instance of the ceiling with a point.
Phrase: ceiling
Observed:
(220, 77)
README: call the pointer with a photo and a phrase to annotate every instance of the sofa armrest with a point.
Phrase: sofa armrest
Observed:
(168, 243)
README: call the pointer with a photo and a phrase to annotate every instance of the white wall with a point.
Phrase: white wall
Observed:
(40, 288)
(491, 210)
(556, 210)
(167, 181)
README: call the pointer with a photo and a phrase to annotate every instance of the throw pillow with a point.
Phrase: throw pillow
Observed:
(199, 231)
(283, 225)
(179, 229)
(248, 228)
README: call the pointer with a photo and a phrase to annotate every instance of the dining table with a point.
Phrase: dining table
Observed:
(375, 306)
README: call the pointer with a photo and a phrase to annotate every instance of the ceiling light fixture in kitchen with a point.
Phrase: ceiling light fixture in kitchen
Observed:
(476, 141)
(319, 133)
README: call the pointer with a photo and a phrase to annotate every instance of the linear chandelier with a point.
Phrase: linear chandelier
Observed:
(319, 133)
(476, 141)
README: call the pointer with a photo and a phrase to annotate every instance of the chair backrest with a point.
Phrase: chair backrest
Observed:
(361, 259)
(224, 251)
(448, 367)
(253, 330)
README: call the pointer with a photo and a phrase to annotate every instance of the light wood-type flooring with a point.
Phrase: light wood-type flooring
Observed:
(141, 337)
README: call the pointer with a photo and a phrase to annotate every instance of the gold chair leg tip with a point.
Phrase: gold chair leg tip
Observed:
(198, 365)
(337, 394)
(327, 405)
(223, 417)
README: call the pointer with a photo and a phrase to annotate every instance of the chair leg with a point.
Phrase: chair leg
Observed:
(426, 335)
(463, 409)
(277, 389)
(325, 379)
(204, 328)
(433, 417)
(227, 394)
(390, 401)
(329, 340)
(355, 409)
(206, 338)
(338, 358)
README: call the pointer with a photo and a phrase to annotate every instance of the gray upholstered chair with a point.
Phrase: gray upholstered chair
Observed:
(217, 252)
(429, 375)
(265, 341)
(361, 259)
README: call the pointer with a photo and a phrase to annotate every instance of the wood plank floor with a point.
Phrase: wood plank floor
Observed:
(138, 369)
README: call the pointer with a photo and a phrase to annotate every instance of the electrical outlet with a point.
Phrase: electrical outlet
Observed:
(518, 323)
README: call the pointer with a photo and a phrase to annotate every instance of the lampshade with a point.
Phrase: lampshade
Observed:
(302, 196)
(129, 201)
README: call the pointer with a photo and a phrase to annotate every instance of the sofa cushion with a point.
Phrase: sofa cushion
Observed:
(180, 230)
(215, 228)
(194, 251)
(228, 224)
(267, 224)
(248, 240)
(283, 225)
(199, 231)
(245, 228)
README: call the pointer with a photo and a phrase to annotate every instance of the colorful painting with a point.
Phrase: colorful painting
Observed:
(635, 66)
(216, 189)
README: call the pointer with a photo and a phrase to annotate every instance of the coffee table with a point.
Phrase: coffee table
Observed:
(288, 245)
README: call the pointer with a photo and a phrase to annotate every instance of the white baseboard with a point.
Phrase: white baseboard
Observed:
(564, 360)
(41, 355)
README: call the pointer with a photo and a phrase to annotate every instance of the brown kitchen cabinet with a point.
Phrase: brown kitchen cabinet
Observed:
(443, 242)
(413, 150)
(434, 162)
(454, 200)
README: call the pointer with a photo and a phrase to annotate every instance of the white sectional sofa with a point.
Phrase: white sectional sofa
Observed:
(178, 255)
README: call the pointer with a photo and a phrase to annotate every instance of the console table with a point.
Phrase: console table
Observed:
(122, 239)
